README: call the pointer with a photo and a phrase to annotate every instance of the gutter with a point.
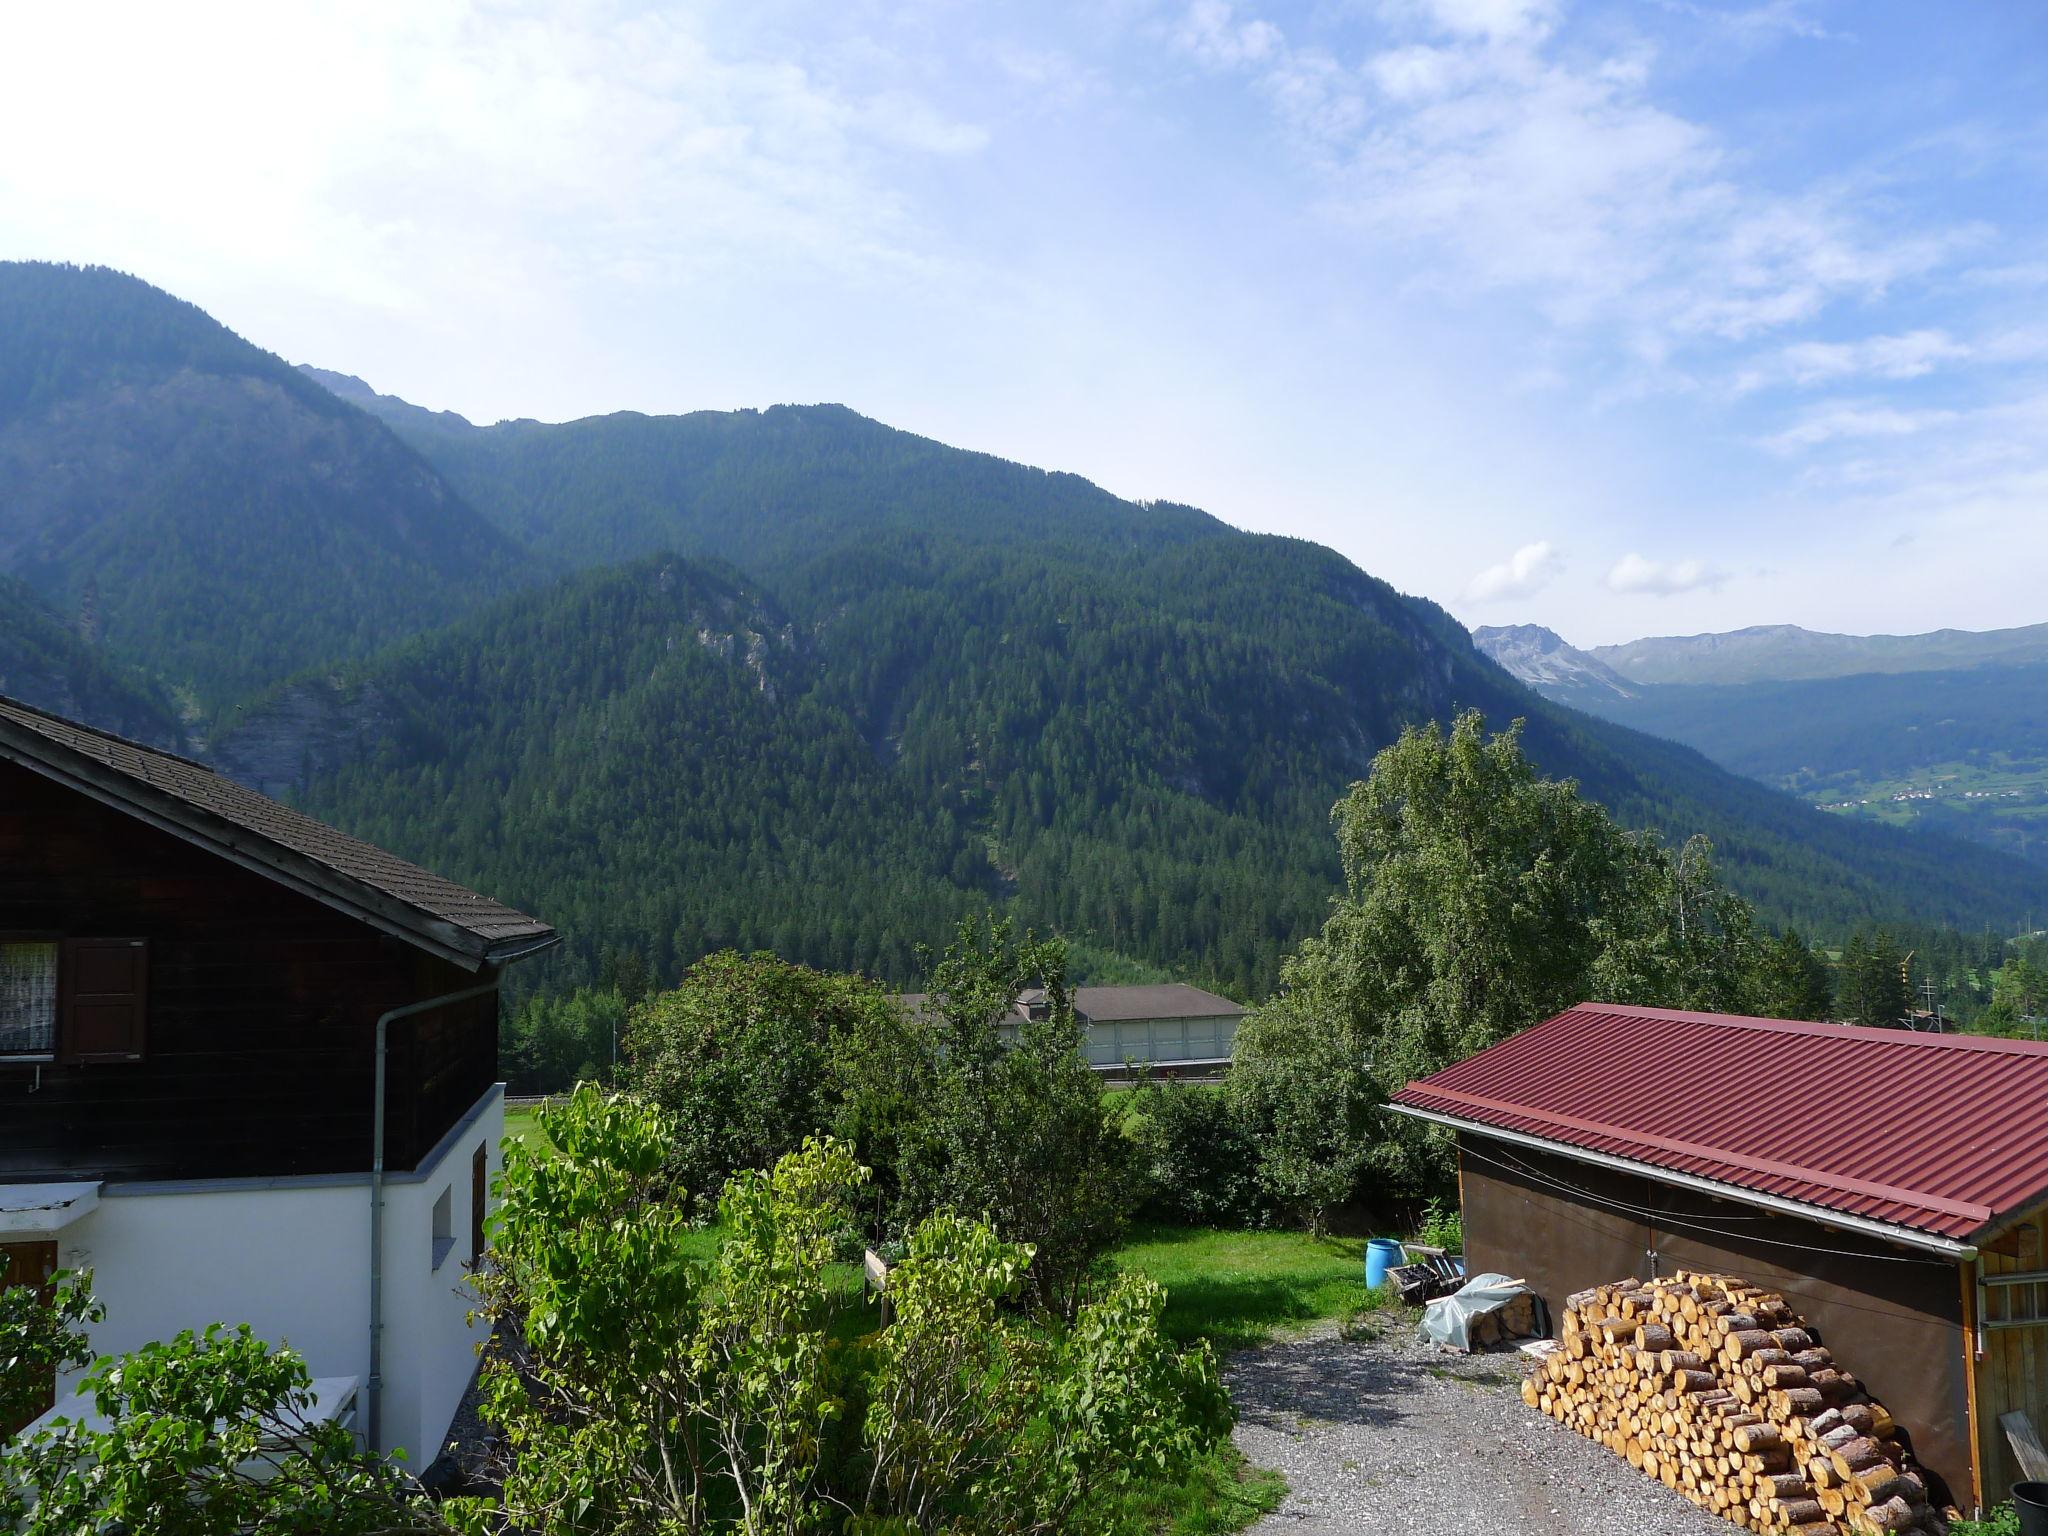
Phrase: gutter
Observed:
(373, 1385)
(1948, 1248)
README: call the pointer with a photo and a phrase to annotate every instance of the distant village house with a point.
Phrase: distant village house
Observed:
(1170, 1028)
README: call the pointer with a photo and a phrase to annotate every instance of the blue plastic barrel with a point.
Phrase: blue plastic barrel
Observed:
(1381, 1255)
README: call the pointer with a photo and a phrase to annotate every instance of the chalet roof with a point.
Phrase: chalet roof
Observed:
(1168, 1000)
(191, 801)
(1937, 1134)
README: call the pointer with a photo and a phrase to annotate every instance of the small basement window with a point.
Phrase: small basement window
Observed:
(444, 1225)
(28, 997)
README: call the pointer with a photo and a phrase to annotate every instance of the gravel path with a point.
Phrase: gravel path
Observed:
(1399, 1438)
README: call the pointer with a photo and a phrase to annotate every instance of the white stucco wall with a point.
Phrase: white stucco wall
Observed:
(291, 1259)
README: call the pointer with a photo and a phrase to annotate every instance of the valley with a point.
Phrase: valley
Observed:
(1949, 735)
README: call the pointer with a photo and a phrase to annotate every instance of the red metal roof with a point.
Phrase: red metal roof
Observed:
(1944, 1134)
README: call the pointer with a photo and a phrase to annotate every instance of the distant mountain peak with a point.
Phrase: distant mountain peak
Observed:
(1541, 658)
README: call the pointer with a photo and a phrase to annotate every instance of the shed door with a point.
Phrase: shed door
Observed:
(29, 1264)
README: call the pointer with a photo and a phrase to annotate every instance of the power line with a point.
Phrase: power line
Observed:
(1664, 1218)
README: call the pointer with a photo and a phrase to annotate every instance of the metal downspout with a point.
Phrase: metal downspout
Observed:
(373, 1387)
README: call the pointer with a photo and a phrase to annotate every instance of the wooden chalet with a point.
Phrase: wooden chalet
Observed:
(210, 1005)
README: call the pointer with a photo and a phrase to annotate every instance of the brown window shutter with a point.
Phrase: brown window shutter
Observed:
(103, 992)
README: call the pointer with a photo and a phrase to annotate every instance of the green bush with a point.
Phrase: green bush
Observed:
(1019, 1135)
(1201, 1161)
(643, 1390)
(41, 1335)
(742, 1056)
(2002, 1521)
(1442, 1227)
(207, 1435)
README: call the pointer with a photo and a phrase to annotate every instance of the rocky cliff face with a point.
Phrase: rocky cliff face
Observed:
(302, 731)
(1541, 658)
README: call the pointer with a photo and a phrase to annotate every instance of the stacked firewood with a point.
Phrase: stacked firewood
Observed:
(1714, 1388)
(1513, 1319)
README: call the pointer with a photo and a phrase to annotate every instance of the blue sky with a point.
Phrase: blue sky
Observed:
(1631, 318)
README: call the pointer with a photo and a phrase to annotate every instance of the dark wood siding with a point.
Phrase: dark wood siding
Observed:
(261, 1011)
(1893, 1316)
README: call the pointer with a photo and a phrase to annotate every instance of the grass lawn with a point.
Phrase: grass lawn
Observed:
(1221, 1494)
(520, 1125)
(1240, 1288)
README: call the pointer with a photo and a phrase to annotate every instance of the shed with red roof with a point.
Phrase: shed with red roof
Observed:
(1891, 1184)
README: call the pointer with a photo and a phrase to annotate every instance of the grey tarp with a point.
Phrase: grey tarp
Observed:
(1448, 1319)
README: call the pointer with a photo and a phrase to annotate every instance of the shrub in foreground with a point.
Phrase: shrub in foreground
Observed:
(641, 1391)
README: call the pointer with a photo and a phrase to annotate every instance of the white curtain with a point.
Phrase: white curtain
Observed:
(28, 997)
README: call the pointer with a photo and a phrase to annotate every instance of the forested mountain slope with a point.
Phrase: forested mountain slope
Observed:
(234, 520)
(47, 663)
(764, 490)
(1963, 752)
(666, 758)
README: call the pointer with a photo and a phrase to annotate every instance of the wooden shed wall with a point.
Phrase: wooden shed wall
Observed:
(2013, 1371)
(1891, 1315)
(262, 1008)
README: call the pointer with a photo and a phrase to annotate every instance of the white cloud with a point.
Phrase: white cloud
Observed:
(1519, 161)
(1906, 356)
(1755, 25)
(1492, 20)
(416, 154)
(1846, 420)
(1210, 32)
(1635, 574)
(1523, 574)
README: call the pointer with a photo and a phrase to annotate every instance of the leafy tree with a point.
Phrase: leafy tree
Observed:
(40, 1335)
(209, 1435)
(1479, 898)
(1018, 1134)
(1670, 935)
(2019, 996)
(1300, 1089)
(646, 1391)
(1791, 980)
(742, 1055)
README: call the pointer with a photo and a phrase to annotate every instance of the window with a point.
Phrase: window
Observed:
(28, 997)
(444, 1225)
(73, 1000)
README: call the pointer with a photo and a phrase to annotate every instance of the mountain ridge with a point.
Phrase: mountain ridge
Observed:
(1789, 653)
(233, 518)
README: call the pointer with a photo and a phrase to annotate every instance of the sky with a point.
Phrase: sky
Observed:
(1648, 317)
